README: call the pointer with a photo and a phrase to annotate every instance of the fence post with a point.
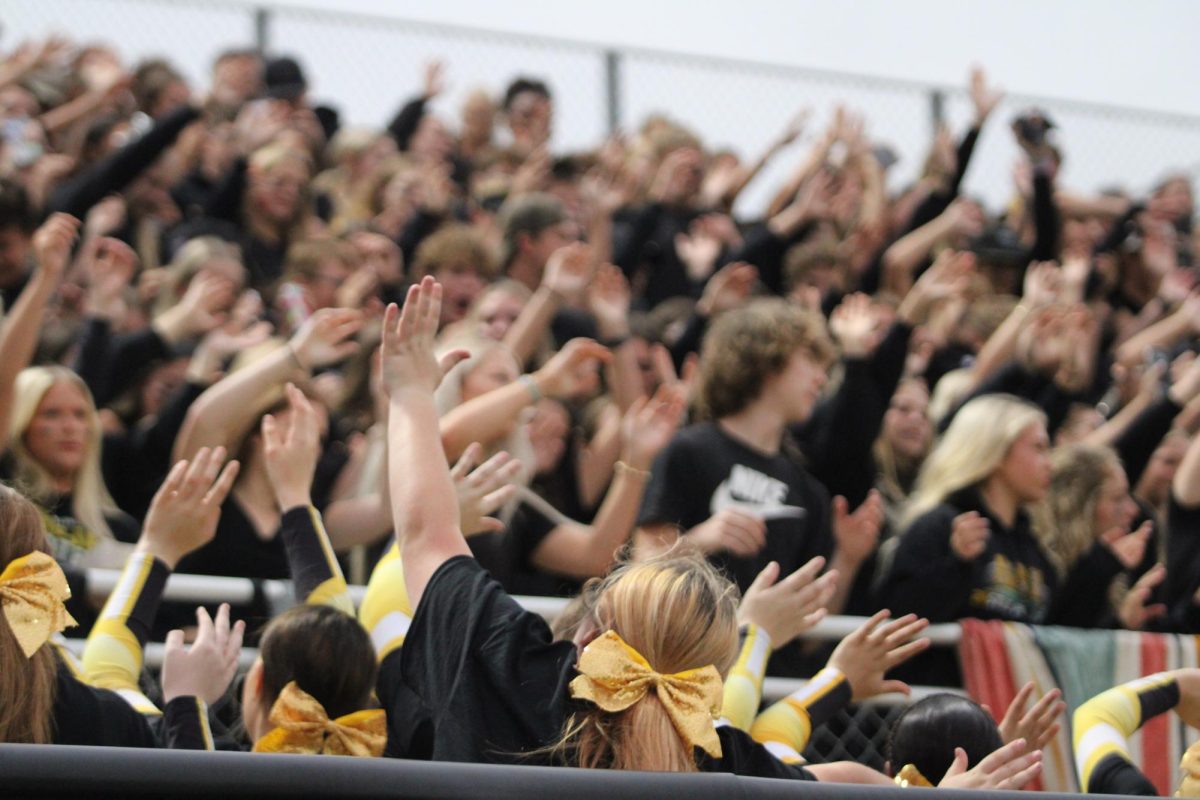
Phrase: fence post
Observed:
(937, 109)
(612, 89)
(262, 25)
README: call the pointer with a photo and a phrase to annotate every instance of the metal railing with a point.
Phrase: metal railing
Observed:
(204, 589)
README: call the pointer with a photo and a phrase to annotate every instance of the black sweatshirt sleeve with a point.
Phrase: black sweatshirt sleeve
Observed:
(225, 202)
(1082, 599)
(689, 340)
(315, 571)
(119, 169)
(937, 202)
(91, 360)
(841, 432)
(1046, 220)
(1136, 445)
(926, 577)
(636, 230)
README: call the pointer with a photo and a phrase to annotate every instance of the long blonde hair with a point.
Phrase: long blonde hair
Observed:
(1065, 522)
(972, 448)
(27, 685)
(680, 613)
(90, 499)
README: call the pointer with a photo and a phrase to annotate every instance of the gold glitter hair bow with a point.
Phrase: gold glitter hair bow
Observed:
(909, 775)
(303, 727)
(32, 591)
(614, 676)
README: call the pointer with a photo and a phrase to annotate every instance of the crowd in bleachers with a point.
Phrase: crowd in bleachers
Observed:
(240, 338)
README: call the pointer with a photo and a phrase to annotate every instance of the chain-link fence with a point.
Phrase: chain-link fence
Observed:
(367, 66)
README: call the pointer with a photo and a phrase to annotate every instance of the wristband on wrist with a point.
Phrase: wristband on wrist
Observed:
(621, 468)
(531, 386)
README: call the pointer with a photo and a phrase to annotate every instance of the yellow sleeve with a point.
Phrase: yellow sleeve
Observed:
(743, 686)
(786, 726)
(385, 611)
(112, 657)
(1103, 725)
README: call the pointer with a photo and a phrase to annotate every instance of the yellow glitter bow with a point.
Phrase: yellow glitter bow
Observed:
(909, 775)
(303, 727)
(32, 591)
(615, 676)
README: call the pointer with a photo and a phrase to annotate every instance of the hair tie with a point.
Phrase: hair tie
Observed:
(32, 591)
(303, 727)
(614, 676)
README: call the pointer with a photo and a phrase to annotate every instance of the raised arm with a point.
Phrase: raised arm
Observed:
(19, 334)
(290, 451)
(1185, 487)
(182, 518)
(225, 413)
(424, 504)
(488, 417)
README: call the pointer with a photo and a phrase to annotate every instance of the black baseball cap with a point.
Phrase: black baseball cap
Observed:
(284, 79)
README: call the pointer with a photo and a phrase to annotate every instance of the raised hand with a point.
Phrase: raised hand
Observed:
(984, 98)
(1127, 548)
(1010, 767)
(109, 265)
(856, 534)
(569, 270)
(52, 244)
(291, 454)
(573, 370)
(205, 669)
(650, 423)
(483, 488)
(786, 608)
(407, 360)
(185, 510)
(875, 647)
(698, 250)
(855, 323)
(1134, 612)
(969, 536)
(201, 310)
(1040, 724)
(609, 298)
(326, 337)
(728, 288)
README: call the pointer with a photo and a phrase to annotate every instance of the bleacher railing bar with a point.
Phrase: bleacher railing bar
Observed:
(201, 589)
(83, 772)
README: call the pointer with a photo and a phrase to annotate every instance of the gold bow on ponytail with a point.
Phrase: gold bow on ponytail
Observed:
(615, 676)
(32, 591)
(303, 727)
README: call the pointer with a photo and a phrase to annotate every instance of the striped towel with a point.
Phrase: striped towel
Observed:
(1000, 657)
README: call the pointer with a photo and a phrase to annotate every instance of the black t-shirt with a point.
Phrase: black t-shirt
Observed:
(496, 684)
(409, 724)
(705, 470)
(88, 716)
(508, 555)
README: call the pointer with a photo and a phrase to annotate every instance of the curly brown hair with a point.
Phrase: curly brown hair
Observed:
(745, 347)
(454, 245)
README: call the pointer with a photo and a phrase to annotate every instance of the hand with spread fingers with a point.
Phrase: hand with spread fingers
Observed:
(877, 646)
(205, 669)
(483, 488)
(786, 608)
(1010, 767)
(291, 454)
(1037, 726)
(184, 513)
(407, 357)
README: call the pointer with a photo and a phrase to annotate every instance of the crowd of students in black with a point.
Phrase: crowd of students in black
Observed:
(860, 397)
